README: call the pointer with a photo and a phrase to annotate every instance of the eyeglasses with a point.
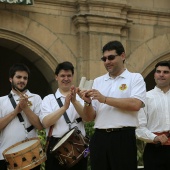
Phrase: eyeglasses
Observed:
(110, 57)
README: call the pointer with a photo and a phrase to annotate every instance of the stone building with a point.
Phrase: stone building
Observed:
(52, 31)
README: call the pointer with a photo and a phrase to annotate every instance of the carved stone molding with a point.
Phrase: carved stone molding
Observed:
(100, 17)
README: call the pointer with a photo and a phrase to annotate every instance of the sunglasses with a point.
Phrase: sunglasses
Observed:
(110, 57)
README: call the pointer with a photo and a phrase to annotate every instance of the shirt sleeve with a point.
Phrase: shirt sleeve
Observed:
(142, 132)
(139, 88)
(37, 107)
(46, 108)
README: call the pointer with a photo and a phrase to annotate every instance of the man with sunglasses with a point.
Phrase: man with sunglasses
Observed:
(113, 104)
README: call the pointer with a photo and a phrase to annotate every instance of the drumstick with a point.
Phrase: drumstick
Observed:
(29, 102)
(23, 98)
(20, 93)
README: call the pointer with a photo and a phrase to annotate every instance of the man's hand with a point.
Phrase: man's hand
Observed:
(162, 138)
(85, 95)
(73, 94)
(67, 101)
(23, 103)
(96, 95)
(17, 109)
(88, 95)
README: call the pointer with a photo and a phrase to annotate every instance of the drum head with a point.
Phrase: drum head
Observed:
(24, 155)
(63, 139)
(22, 146)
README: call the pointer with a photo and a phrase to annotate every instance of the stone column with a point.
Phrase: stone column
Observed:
(98, 22)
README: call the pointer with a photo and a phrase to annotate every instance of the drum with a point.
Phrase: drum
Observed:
(70, 148)
(24, 155)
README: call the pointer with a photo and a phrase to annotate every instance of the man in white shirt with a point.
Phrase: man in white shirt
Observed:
(154, 121)
(52, 114)
(113, 104)
(11, 129)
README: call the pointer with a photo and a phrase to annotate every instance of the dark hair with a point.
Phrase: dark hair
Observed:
(66, 65)
(18, 67)
(163, 63)
(114, 45)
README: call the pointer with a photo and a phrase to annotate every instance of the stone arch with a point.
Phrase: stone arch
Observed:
(38, 56)
(143, 59)
(35, 42)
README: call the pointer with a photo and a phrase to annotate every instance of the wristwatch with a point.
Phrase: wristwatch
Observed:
(87, 104)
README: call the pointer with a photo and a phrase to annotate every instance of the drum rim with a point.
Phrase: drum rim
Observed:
(60, 156)
(71, 130)
(7, 149)
(31, 165)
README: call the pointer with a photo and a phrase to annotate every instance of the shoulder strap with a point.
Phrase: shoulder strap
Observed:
(19, 114)
(65, 114)
(48, 137)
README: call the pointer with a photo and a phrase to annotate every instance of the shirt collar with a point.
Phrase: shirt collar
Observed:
(123, 75)
(159, 90)
(58, 94)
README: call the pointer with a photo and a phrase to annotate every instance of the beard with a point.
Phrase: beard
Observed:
(13, 85)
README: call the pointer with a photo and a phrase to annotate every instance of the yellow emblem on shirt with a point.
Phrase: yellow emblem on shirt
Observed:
(123, 87)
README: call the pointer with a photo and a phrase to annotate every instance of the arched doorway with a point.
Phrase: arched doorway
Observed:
(150, 82)
(144, 58)
(37, 83)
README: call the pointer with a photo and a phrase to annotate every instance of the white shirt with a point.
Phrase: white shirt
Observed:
(50, 104)
(15, 132)
(126, 85)
(155, 117)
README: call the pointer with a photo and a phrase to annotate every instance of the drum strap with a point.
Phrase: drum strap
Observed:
(66, 119)
(49, 137)
(65, 114)
(19, 114)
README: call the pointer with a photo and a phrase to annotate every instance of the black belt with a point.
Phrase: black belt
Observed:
(116, 129)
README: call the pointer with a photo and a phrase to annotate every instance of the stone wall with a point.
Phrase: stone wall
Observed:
(52, 31)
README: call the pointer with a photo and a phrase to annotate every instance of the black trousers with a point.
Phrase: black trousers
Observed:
(114, 150)
(53, 164)
(156, 157)
(3, 166)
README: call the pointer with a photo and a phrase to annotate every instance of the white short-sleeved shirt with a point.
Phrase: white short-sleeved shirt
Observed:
(49, 105)
(126, 85)
(155, 116)
(15, 132)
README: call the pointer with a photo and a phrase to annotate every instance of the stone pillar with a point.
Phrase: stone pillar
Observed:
(98, 22)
